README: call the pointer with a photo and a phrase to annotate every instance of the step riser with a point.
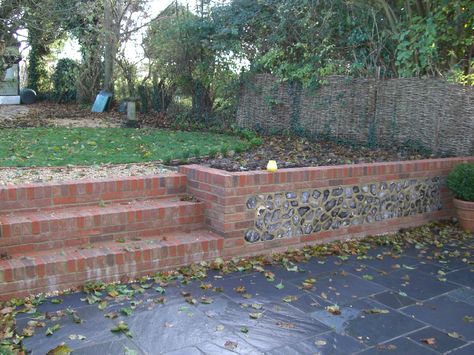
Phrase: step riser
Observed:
(16, 238)
(21, 277)
(48, 196)
(29, 244)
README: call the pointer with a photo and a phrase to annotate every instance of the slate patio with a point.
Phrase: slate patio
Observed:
(412, 304)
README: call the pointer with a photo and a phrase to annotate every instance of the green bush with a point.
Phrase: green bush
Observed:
(461, 182)
(64, 80)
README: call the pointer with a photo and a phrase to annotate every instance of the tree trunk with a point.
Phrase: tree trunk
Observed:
(110, 46)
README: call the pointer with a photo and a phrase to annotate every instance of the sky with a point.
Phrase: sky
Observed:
(133, 50)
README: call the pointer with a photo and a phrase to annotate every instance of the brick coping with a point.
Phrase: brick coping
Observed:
(89, 181)
(371, 169)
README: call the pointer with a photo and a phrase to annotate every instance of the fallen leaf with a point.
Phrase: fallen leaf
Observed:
(240, 289)
(77, 337)
(455, 335)
(280, 286)
(429, 341)
(376, 311)
(61, 349)
(289, 299)
(256, 315)
(52, 329)
(230, 345)
(333, 310)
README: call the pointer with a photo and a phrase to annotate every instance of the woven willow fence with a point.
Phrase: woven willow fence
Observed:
(422, 114)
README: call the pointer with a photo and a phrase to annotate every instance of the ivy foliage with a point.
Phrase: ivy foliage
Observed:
(64, 80)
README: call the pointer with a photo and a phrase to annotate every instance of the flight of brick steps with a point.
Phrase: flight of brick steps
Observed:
(55, 236)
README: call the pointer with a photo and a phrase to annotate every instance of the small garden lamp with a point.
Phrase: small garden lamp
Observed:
(272, 166)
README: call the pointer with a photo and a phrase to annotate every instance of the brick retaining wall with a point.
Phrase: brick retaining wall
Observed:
(227, 197)
(60, 235)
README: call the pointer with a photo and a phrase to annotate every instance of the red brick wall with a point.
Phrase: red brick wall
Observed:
(225, 195)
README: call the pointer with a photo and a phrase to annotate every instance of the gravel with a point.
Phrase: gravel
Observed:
(17, 176)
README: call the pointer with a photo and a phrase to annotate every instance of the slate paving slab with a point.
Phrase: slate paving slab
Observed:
(435, 339)
(341, 287)
(463, 294)
(466, 350)
(329, 343)
(464, 277)
(401, 346)
(393, 299)
(447, 314)
(415, 284)
(376, 323)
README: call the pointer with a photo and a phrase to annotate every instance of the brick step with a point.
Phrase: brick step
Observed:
(108, 261)
(31, 197)
(22, 232)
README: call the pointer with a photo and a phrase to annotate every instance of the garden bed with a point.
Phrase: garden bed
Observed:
(291, 152)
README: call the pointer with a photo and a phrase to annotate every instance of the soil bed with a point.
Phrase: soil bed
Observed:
(291, 152)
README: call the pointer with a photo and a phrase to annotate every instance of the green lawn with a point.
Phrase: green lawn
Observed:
(90, 146)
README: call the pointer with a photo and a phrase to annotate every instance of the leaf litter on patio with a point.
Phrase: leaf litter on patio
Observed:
(429, 241)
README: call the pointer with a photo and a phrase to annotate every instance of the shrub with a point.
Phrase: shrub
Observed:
(461, 182)
(64, 80)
